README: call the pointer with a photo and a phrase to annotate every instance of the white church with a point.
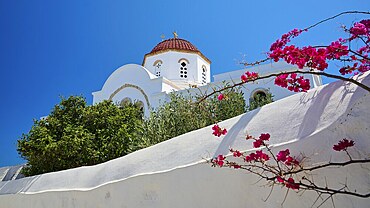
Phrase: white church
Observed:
(176, 65)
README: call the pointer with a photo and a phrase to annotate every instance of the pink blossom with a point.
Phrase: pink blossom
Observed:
(265, 137)
(249, 76)
(236, 166)
(336, 50)
(258, 143)
(262, 156)
(279, 179)
(236, 153)
(366, 22)
(285, 38)
(251, 157)
(219, 160)
(217, 131)
(343, 145)
(293, 83)
(358, 29)
(290, 183)
(291, 161)
(220, 97)
(282, 155)
(257, 156)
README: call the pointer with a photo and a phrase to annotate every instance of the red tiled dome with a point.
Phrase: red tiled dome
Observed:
(176, 44)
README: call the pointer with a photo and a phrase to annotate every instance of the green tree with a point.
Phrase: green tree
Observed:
(183, 113)
(75, 134)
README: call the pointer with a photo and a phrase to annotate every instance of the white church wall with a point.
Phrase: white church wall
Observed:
(134, 82)
(171, 67)
(129, 73)
(202, 63)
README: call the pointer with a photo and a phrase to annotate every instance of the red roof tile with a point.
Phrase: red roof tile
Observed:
(174, 43)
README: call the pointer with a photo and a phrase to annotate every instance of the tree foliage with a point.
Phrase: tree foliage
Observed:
(75, 134)
(183, 114)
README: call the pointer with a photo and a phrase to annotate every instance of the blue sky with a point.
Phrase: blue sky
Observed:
(50, 49)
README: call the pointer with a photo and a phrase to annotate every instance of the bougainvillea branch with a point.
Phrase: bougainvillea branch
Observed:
(284, 169)
(215, 91)
(335, 16)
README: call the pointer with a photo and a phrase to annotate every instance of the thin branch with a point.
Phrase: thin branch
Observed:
(335, 16)
(358, 54)
(328, 165)
(256, 62)
(327, 190)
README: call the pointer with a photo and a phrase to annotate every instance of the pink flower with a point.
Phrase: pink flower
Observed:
(236, 166)
(257, 143)
(293, 83)
(265, 137)
(251, 157)
(257, 156)
(244, 78)
(343, 145)
(291, 184)
(336, 50)
(262, 156)
(217, 131)
(358, 29)
(281, 80)
(291, 161)
(219, 160)
(279, 179)
(285, 38)
(236, 153)
(366, 22)
(220, 97)
(282, 155)
(249, 76)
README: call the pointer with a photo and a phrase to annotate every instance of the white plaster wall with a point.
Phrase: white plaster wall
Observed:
(173, 173)
(171, 68)
(135, 75)
(193, 186)
(202, 62)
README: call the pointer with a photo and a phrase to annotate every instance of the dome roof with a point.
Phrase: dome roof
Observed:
(176, 44)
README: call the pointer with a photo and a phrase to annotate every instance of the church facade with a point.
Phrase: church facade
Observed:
(176, 65)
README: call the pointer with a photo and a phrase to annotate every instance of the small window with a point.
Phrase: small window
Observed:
(204, 75)
(157, 67)
(183, 70)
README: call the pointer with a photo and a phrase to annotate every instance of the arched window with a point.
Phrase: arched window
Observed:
(157, 67)
(259, 94)
(183, 68)
(204, 75)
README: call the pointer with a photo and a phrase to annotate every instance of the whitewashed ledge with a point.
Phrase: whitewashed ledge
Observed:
(174, 173)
